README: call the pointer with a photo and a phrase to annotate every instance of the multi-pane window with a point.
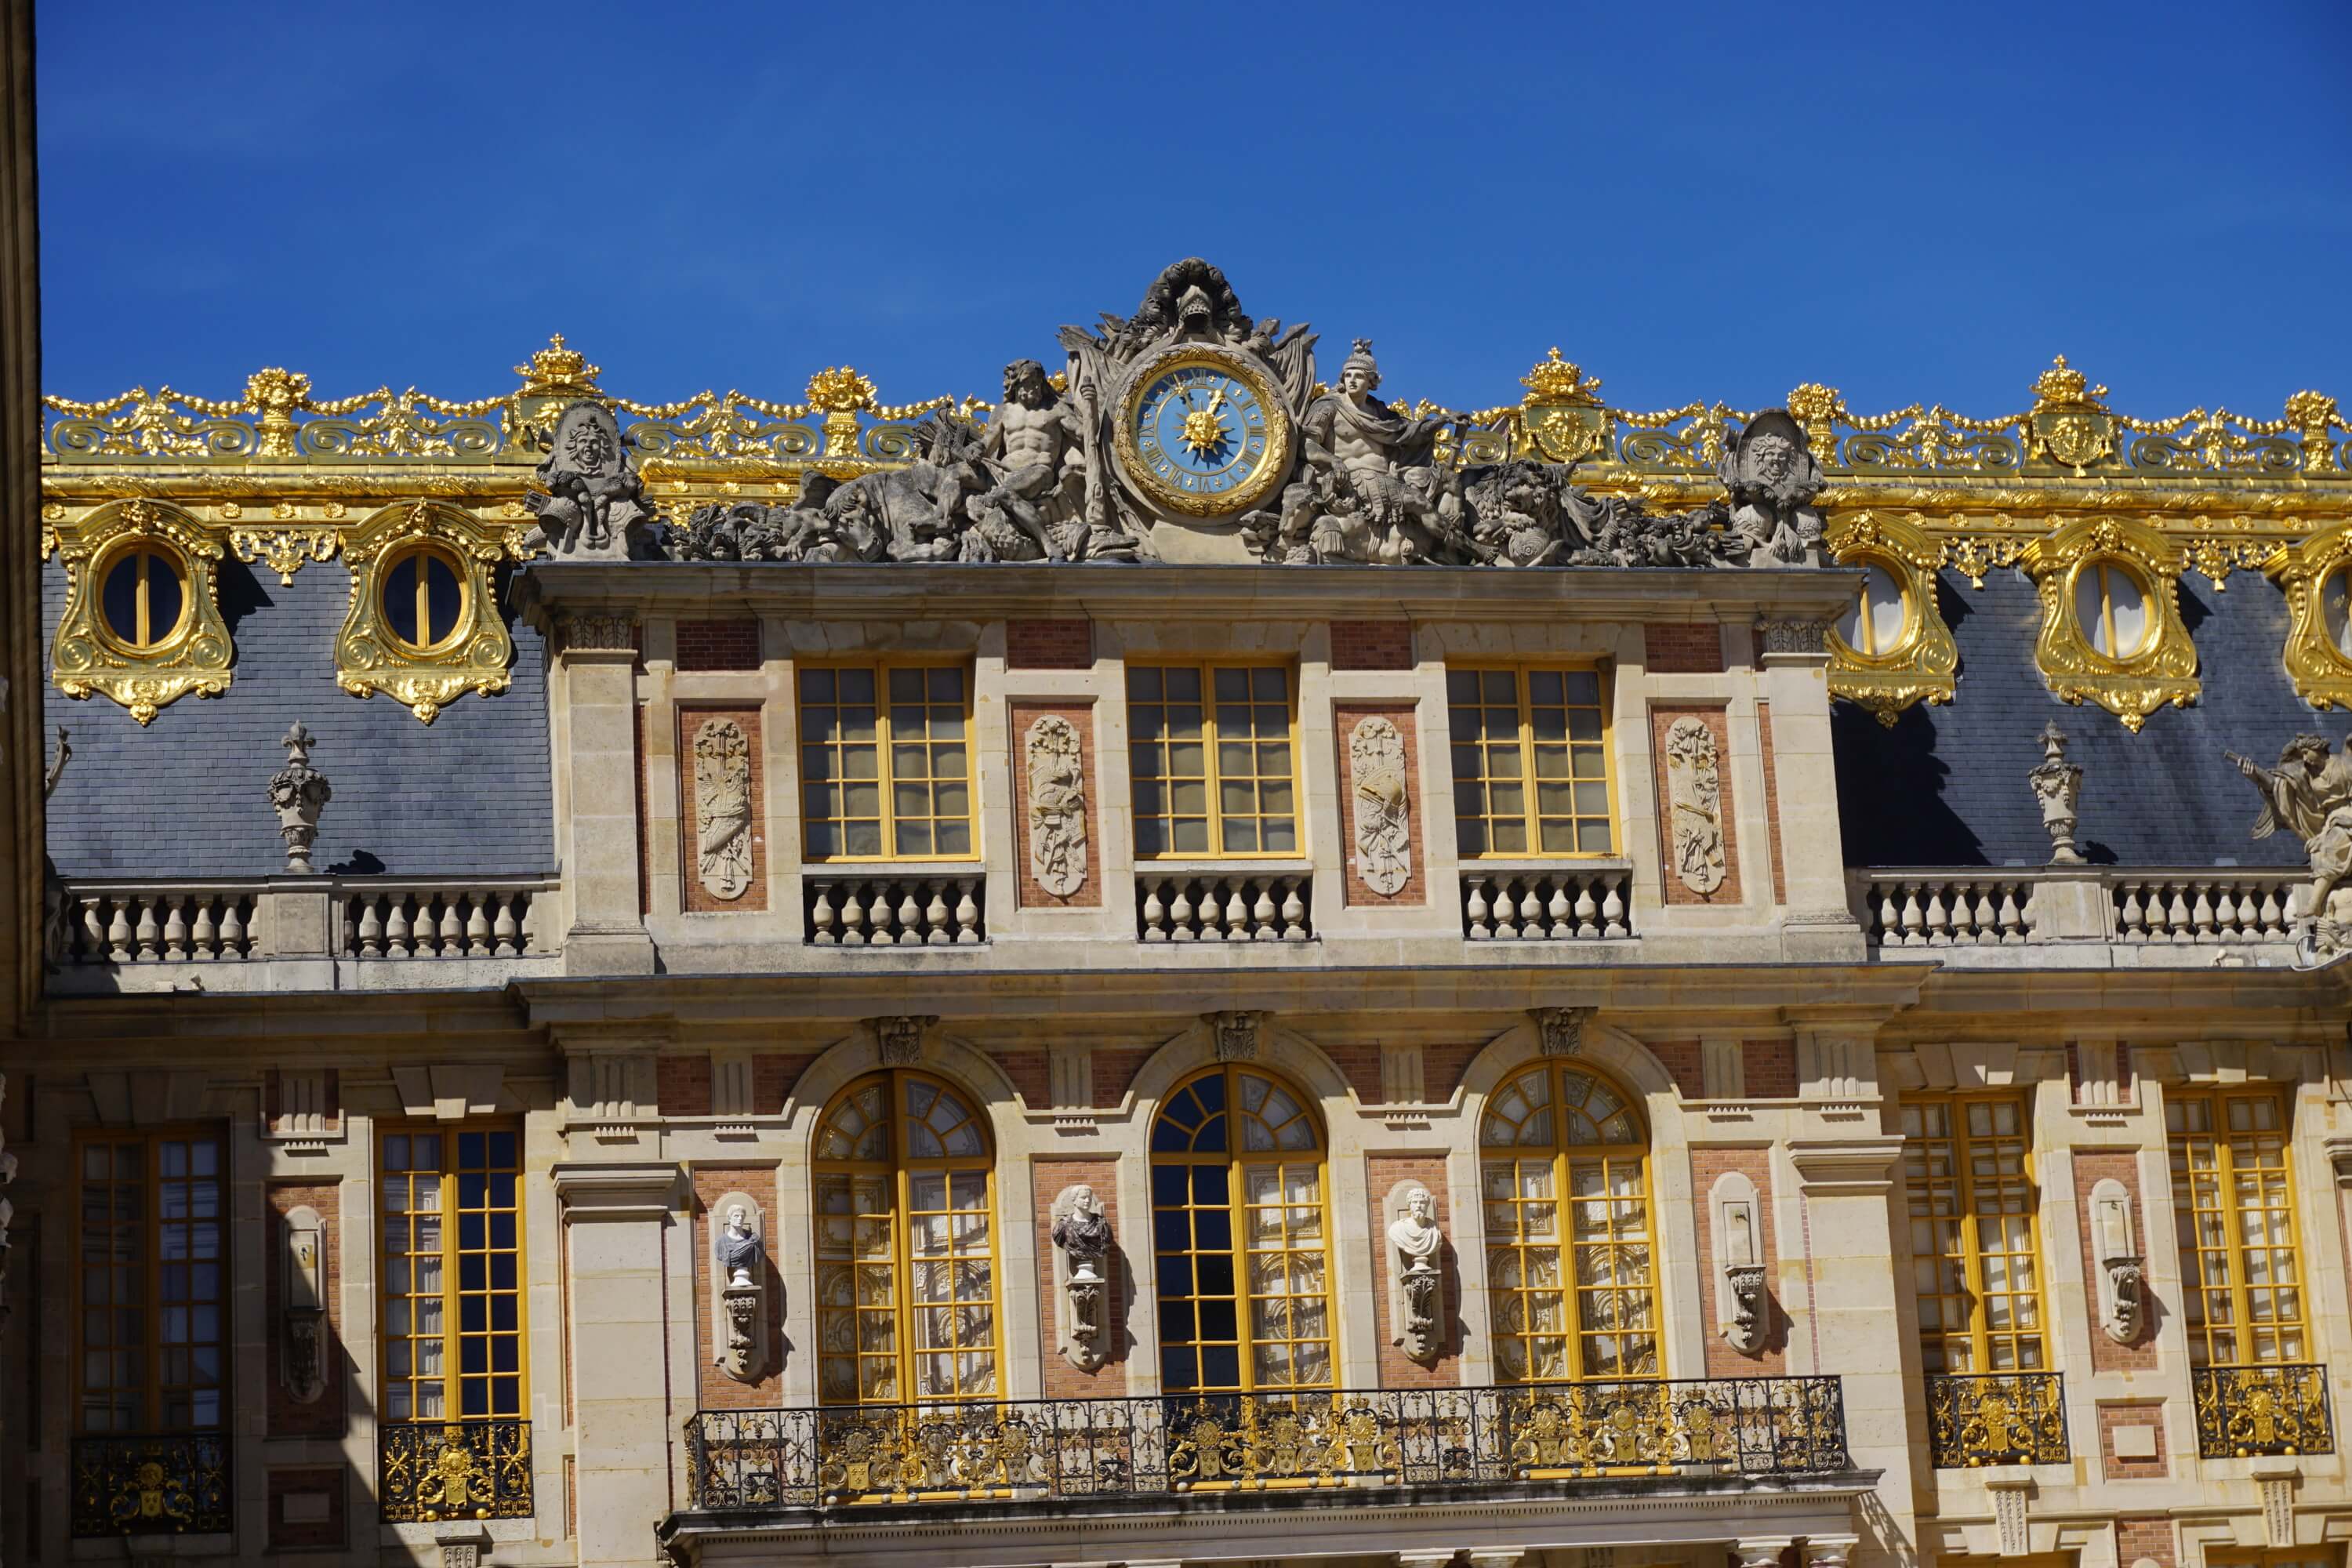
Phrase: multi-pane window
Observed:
(1974, 1254)
(453, 1294)
(151, 1288)
(1571, 1262)
(1210, 750)
(906, 1244)
(885, 762)
(1531, 761)
(1239, 1234)
(2233, 1207)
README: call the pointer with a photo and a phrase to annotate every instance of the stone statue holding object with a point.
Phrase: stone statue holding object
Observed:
(2309, 793)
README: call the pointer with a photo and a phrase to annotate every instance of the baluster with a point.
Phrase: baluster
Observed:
(852, 917)
(118, 932)
(207, 930)
(1939, 922)
(1155, 914)
(2201, 917)
(453, 928)
(1237, 912)
(396, 939)
(2273, 918)
(1506, 909)
(1531, 910)
(1263, 913)
(1558, 909)
(150, 938)
(1476, 909)
(1984, 923)
(2133, 917)
(2179, 916)
(175, 928)
(935, 915)
(513, 924)
(1181, 911)
(967, 914)
(2010, 918)
(232, 930)
(1612, 907)
(1914, 923)
(822, 921)
(1587, 913)
(478, 923)
(1294, 912)
(910, 918)
(93, 944)
(371, 925)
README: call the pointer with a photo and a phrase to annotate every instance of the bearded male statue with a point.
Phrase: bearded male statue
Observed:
(1036, 455)
(1773, 476)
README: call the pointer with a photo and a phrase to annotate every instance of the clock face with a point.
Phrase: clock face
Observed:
(1202, 435)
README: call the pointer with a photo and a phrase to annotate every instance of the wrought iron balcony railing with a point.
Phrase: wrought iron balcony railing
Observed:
(1996, 1418)
(2247, 1410)
(430, 1470)
(168, 1484)
(1375, 1437)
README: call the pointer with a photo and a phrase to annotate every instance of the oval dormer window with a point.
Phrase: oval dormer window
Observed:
(2111, 604)
(144, 595)
(1877, 622)
(423, 598)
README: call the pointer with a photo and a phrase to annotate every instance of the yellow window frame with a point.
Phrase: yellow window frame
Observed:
(1213, 777)
(1532, 818)
(2229, 1216)
(1236, 1161)
(449, 1171)
(1979, 1334)
(147, 557)
(901, 1168)
(885, 778)
(1562, 1156)
(151, 1306)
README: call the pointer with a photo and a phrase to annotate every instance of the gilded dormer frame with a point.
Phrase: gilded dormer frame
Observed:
(1924, 664)
(2162, 668)
(473, 656)
(2321, 672)
(87, 655)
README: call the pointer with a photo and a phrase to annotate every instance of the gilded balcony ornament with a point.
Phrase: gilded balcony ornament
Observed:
(2316, 575)
(2314, 415)
(434, 1472)
(277, 396)
(2002, 1418)
(556, 371)
(1915, 661)
(175, 641)
(2247, 1411)
(842, 393)
(2111, 626)
(2072, 425)
(1562, 417)
(174, 1484)
(422, 624)
(1818, 409)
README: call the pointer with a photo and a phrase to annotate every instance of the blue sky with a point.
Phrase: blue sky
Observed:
(1702, 199)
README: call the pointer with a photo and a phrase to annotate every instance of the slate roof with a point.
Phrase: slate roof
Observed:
(1947, 786)
(187, 797)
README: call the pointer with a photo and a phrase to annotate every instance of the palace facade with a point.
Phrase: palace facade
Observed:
(1193, 964)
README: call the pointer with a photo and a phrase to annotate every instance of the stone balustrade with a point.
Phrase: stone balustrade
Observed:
(2085, 904)
(892, 908)
(1586, 904)
(1181, 906)
(428, 923)
(1945, 911)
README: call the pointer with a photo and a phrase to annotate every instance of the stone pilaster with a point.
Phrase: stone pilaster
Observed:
(1792, 675)
(596, 816)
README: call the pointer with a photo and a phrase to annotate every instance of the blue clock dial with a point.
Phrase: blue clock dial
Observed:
(1200, 430)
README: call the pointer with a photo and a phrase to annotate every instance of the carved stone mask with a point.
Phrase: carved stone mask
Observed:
(587, 446)
(1772, 458)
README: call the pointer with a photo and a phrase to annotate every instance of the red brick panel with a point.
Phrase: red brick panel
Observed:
(1371, 645)
(1662, 719)
(699, 899)
(1019, 717)
(295, 1501)
(718, 1391)
(1770, 1068)
(2146, 1537)
(772, 1078)
(718, 645)
(2149, 1414)
(1683, 648)
(1442, 1067)
(1708, 1166)
(1345, 717)
(1382, 1172)
(1772, 802)
(1680, 1061)
(682, 1084)
(644, 830)
(323, 1417)
(1360, 1063)
(1049, 645)
(1113, 1070)
(1063, 1381)
(1031, 1072)
(2093, 1166)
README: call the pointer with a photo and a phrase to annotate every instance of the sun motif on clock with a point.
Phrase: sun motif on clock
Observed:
(1202, 434)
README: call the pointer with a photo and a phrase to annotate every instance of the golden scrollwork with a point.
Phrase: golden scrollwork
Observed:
(283, 549)
(2316, 575)
(2111, 626)
(2015, 1418)
(439, 663)
(429, 1472)
(2070, 423)
(1920, 662)
(144, 665)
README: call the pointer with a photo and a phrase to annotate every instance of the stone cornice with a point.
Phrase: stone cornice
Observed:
(628, 1190)
(1846, 1167)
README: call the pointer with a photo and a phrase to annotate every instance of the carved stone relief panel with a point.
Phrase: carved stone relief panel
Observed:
(1697, 832)
(722, 828)
(1054, 802)
(1377, 764)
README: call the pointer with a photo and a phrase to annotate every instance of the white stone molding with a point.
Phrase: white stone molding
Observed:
(451, 1092)
(1376, 776)
(1837, 1064)
(1057, 806)
(723, 807)
(1829, 1551)
(1236, 1033)
(1743, 1305)
(733, 1093)
(617, 1190)
(1760, 1552)
(2007, 1488)
(1559, 1031)
(149, 1099)
(1420, 1304)
(2122, 1286)
(302, 1304)
(2274, 1483)
(610, 1091)
(1723, 1066)
(1070, 1076)
(740, 1310)
(1694, 802)
(1400, 1073)
(1846, 1167)
(305, 1123)
(1086, 1292)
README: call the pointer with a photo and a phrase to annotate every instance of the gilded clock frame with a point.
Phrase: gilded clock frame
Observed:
(1924, 666)
(2320, 672)
(85, 656)
(1262, 482)
(371, 659)
(2163, 671)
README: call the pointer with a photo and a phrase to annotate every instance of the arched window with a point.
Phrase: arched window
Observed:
(1574, 1294)
(906, 1244)
(1240, 1228)
(2111, 604)
(424, 597)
